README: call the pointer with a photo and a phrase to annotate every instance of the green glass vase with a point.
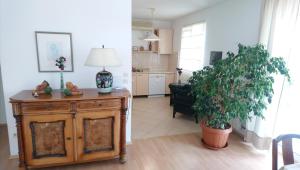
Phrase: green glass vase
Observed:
(62, 85)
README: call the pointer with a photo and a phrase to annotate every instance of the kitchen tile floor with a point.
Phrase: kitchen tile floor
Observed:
(152, 117)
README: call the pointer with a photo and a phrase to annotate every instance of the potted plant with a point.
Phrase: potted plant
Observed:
(238, 86)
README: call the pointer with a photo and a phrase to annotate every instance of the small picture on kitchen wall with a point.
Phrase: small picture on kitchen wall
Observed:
(52, 45)
(215, 56)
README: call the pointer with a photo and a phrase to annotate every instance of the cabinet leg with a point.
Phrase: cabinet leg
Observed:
(123, 159)
(123, 132)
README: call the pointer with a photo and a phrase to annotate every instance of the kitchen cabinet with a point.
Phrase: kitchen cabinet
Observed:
(134, 83)
(56, 130)
(142, 84)
(170, 78)
(165, 43)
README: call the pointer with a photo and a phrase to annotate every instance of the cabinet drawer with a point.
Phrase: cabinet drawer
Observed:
(45, 107)
(98, 104)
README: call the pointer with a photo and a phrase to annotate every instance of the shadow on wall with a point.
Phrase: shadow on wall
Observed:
(2, 106)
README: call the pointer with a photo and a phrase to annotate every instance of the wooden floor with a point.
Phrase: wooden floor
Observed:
(153, 117)
(178, 152)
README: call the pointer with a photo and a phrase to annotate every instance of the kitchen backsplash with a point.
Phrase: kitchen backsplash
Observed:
(151, 61)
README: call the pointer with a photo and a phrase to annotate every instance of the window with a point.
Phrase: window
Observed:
(192, 47)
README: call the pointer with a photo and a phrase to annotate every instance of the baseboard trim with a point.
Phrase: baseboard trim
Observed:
(240, 134)
(13, 157)
(261, 143)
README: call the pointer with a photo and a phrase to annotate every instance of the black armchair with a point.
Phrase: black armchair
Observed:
(182, 99)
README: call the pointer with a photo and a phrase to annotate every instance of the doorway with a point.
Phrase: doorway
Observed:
(154, 63)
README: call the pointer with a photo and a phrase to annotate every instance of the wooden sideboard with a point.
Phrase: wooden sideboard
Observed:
(57, 130)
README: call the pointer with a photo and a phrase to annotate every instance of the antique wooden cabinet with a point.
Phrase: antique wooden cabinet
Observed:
(57, 130)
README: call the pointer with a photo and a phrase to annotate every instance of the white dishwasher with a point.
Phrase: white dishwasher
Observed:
(157, 84)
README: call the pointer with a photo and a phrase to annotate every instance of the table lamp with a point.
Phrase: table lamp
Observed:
(103, 57)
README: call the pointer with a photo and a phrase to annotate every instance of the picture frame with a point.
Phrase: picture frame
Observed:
(52, 45)
(215, 56)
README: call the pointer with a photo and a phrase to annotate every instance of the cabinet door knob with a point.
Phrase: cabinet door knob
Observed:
(69, 138)
(79, 137)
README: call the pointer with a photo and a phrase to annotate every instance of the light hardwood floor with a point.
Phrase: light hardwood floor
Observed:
(177, 152)
(153, 117)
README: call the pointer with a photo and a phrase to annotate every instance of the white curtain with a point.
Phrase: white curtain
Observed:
(280, 33)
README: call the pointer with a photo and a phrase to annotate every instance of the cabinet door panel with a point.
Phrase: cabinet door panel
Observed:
(166, 41)
(134, 85)
(142, 85)
(98, 134)
(48, 139)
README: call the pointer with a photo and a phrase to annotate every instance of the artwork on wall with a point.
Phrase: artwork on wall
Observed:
(52, 45)
(215, 56)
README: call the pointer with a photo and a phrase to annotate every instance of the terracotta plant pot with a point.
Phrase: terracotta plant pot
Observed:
(214, 138)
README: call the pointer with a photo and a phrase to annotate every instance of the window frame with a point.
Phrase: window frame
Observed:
(180, 46)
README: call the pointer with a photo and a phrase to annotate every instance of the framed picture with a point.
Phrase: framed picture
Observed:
(215, 56)
(52, 45)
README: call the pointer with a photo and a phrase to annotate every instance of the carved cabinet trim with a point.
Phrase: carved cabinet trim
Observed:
(37, 126)
(111, 131)
(48, 140)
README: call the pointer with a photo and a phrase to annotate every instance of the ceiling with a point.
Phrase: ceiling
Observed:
(168, 9)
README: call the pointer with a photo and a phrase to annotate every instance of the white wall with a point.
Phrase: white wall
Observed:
(2, 107)
(228, 23)
(92, 23)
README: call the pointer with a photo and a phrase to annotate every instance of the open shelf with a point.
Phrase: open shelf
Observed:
(145, 51)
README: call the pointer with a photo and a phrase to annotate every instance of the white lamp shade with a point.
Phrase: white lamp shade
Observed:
(102, 57)
(151, 37)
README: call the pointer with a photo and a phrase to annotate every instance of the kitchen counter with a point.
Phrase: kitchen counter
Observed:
(152, 82)
(154, 72)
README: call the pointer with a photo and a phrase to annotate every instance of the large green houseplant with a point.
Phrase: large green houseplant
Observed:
(238, 86)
